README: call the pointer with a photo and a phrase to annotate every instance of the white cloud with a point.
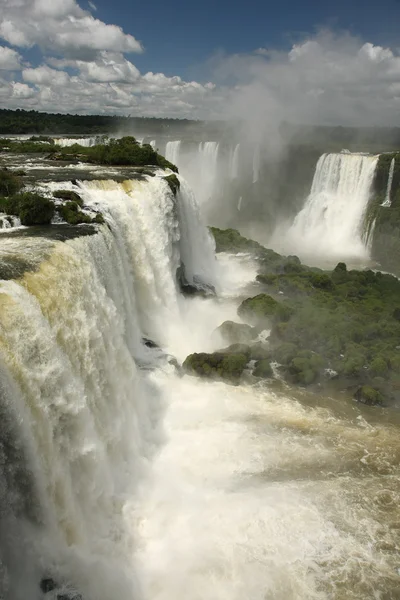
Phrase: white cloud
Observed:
(10, 60)
(61, 26)
(44, 75)
(326, 79)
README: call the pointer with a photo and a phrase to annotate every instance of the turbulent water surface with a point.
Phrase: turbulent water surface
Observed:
(122, 478)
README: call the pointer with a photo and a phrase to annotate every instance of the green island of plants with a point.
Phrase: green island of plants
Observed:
(126, 151)
(336, 329)
(33, 209)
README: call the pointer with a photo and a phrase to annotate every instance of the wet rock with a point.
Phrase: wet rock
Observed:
(47, 584)
(368, 395)
(196, 287)
(236, 333)
(149, 343)
(227, 365)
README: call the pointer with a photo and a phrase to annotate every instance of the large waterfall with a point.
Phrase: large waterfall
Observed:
(331, 222)
(172, 152)
(78, 421)
(121, 477)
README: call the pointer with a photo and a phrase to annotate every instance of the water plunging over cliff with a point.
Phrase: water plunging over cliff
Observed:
(388, 200)
(86, 141)
(331, 222)
(234, 163)
(172, 152)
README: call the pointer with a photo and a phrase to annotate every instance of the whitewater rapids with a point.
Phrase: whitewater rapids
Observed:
(146, 485)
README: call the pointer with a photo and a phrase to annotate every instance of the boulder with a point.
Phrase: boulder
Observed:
(263, 369)
(368, 395)
(236, 333)
(223, 365)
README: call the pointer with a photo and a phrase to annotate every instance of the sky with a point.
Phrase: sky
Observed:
(310, 62)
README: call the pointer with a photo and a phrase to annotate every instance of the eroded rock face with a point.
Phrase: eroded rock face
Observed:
(197, 287)
(51, 588)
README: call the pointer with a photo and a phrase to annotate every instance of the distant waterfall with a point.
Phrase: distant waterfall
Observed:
(86, 141)
(153, 143)
(331, 222)
(234, 163)
(172, 152)
(256, 164)
(388, 200)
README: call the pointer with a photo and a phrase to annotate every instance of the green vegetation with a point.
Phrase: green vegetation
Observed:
(24, 121)
(34, 209)
(31, 208)
(9, 183)
(173, 183)
(236, 333)
(70, 213)
(263, 369)
(230, 240)
(227, 364)
(335, 328)
(68, 195)
(123, 152)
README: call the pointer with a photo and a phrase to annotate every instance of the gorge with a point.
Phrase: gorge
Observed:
(122, 475)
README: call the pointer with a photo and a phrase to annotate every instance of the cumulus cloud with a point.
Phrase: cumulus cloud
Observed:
(10, 60)
(61, 26)
(324, 79)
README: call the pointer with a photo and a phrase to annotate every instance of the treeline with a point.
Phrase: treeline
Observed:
(336, 138)
(18, 121)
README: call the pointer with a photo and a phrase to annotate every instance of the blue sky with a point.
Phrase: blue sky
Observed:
(332, 63)
(180, 36)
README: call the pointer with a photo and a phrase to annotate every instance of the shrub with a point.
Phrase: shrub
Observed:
(72, 215)
(68, 195)
(173, 183)
(9, 183)
(258, 308)
(306, 367)
(378, 366)
(34, 209)
(263, 369)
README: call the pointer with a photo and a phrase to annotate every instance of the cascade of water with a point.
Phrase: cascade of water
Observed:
(87, 142)
(208, 169)
(234, 163)
(331, 221)
(153, 143)
(256, 164)
(65, 343)
(172, 152)
(388, 201)
(72, 332)
(197, 246)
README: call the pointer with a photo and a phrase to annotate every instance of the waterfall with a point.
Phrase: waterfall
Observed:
(256, 164)
(71, 337)
(172, 152)
(388, 201)
(197, 246)
(234, 163)
(86, 141)
(153, 143)
(331, 221)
